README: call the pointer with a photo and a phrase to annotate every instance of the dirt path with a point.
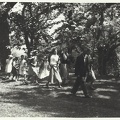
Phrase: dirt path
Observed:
(18, 100)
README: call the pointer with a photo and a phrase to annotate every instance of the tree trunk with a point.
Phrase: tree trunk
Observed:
(4, 33)
(106, 57)
(102, 61)
(28, 43)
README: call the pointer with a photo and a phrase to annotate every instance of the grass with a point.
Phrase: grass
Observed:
(18, 100)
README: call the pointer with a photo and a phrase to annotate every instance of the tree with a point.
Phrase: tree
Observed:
(106, 35)
(34, 22)
(93, 25)
(85, 26)
(4, 30)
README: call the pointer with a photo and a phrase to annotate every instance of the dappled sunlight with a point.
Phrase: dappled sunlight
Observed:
(106, 80)
(53, 94)
(118, 81)
(107, 89)
(67, 93)
(67, 87)
(56, 102)
(87, 39)
(104, 97)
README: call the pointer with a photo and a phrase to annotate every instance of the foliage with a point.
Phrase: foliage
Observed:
(34, 22)
(93, 25)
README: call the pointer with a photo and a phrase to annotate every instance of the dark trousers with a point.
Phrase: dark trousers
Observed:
(79, 82)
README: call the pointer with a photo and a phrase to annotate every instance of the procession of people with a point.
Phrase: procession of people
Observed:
(52, 67)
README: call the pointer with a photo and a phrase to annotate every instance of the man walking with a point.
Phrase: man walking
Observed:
(81, 68)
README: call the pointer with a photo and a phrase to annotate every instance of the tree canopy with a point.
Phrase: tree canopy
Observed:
(40, 25)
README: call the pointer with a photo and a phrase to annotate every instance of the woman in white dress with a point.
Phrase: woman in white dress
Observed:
(44, 72)
(8, 67)
(54, 68)
(23, 67)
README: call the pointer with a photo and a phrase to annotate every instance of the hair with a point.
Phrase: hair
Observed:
(22, 55)
(16, 58)
(53, 50)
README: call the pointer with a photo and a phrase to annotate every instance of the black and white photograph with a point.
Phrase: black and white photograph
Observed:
(60, 59)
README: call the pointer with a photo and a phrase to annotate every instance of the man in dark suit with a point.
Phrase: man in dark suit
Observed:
(81, 69)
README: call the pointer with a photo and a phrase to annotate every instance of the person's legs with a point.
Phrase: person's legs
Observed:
(58, 77)
(93, 80)
(17, 75)
(13, 76)
(50, 78)
(29, 77)
(76, 85)
(83, 86)
(13, 73)
(64, 74)
(26, 78)
(7, 75)
(36, 79)
(91, 87)
(52, 75)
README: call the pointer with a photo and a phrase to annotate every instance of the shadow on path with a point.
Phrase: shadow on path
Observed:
(57, 102)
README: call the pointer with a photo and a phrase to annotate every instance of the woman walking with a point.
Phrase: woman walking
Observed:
(8, 67)
(23, 68)
(15, 68)
(32, 69)
(44, 72)
(54, 68)
(63, 66)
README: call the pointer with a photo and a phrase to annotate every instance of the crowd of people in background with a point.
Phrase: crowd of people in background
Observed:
(53, 67)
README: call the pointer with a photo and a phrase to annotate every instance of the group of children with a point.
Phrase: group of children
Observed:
(26, 68)
(15, 67)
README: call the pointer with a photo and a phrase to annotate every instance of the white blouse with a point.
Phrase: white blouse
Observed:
(54, 59)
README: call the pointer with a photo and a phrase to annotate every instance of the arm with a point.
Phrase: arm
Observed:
(58, 60)
(77, 66)
(64, 56)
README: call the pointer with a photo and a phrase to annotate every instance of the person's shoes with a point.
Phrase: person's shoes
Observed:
(87, 96)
